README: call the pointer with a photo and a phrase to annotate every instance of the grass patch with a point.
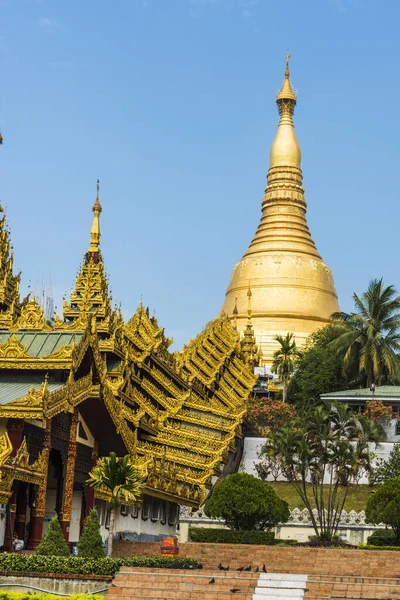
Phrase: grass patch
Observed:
(356, 498)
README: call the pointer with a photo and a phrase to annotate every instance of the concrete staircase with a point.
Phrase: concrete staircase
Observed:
(280, 586)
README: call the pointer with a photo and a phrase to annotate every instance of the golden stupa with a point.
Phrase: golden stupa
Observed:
(292, 288)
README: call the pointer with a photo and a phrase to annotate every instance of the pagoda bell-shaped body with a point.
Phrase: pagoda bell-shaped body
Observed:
(292, 288)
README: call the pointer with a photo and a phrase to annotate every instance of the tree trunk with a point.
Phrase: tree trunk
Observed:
(111, 532)
(284, 392)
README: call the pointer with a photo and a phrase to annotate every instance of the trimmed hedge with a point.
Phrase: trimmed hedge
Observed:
(371, 547)
(229, 536)
(383, 537)
(75, 565)
(32, 596)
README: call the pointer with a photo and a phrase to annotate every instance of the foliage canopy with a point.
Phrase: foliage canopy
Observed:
(121, 479)
(246, 503)
(384, 506)
(329, 445)
(370, 342)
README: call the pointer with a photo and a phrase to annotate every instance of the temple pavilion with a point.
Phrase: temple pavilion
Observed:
(78, 387)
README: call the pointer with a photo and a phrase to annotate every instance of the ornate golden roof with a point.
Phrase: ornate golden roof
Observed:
(292, 288)
(9, 283)
(178, 415)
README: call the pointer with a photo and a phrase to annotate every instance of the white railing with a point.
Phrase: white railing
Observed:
(297, 517)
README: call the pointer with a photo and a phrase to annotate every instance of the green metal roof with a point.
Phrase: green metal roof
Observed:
(381, 392)
(13, 388)
(42, 344)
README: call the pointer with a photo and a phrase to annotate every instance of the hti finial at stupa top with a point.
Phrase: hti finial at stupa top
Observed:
(286, 92)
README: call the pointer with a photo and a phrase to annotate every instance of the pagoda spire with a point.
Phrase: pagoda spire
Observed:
(292, 288)
(250, 351)
(91, 294)
(95, 231)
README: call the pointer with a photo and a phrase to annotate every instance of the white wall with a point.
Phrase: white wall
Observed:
(253, 445)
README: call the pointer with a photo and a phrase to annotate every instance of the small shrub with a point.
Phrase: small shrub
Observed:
(53, 542)
(228, 536)
(384, 506)
(76, 565)
(246, 503)
(90, 544)
(382, 537)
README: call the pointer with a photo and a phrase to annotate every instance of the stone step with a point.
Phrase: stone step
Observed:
(279, 592)
(167, 594)
(283, 576)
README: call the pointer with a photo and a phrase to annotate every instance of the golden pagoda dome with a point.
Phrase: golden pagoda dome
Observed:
(292, 288)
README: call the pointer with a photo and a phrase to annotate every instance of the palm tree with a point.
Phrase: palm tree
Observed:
(283, 364)
(118, 477)
(370, 342)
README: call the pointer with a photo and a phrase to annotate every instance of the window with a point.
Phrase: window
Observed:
(155, 509)
(163, 512)
(397, 431)
(124, 510)
(107, 523)
(134, 512)
(146, 508)
(173, 514)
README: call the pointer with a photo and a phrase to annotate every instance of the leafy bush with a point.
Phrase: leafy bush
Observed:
(384, 506)
(369, 547)
(33, 596)
(53, 542)
(90, 544)
(228, 536)
(267, 413)
(246, 503)
(382, 537)
(76, 565)
(390, 468)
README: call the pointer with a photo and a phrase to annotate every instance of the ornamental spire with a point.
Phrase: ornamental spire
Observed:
(286, 92)
(95, 231)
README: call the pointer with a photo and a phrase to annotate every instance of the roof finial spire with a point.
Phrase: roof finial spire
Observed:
(235, 315)
(95, 231)
(249, 295)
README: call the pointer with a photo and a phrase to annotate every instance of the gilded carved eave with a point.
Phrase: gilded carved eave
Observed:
(20, 467)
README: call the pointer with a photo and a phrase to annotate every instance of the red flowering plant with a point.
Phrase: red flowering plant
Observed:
(378, 411)
(268, 414)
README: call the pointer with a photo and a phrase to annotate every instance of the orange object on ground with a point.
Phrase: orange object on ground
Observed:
(169, 546)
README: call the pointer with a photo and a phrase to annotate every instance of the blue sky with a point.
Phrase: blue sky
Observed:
(171, 103)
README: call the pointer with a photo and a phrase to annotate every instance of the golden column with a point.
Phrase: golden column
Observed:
(65, 519)
(38, 511)
(292, 288)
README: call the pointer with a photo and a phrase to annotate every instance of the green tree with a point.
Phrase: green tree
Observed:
(370, 342)
(284, 360)
(327, 448)
(119, 478)
(390, 468)
(384, 506)
(90, 544)
(246, 503)
(53, 542)
(318, 369)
